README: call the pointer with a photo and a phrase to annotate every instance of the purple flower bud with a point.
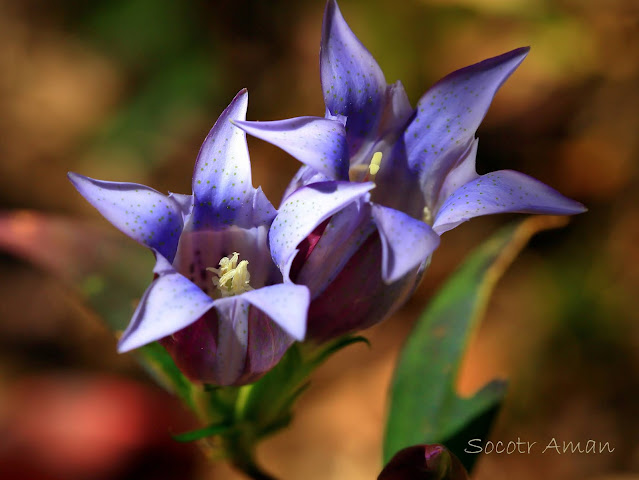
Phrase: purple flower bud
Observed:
(424, 462)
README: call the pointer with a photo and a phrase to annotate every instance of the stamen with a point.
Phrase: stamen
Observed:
(427, 216)
(376, 161)
(232, 278)
(366, 173)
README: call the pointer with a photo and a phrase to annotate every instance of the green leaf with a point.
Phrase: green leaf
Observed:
(334, 347)
(193, 435)
(425, 407)
(160, 365)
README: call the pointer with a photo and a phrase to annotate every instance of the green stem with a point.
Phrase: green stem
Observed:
(241, 453)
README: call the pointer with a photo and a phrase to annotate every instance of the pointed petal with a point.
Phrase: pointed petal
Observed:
(171, 303)
(142, 213)
(317, 142)
(406, 242)
(303, 211)
(352, 82)
(450, 112)
(286, 304)
(398, 109)
(222, 188)
(500, 192)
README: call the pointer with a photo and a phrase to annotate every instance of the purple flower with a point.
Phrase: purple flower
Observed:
(217, 303)
(406, 173)
(424, 462)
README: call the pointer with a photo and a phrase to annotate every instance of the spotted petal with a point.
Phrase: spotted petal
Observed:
(222, 188)
(500, 192)
(449, 114)
(317, 142)
(406, 242)
(285, 304)
(303, 211)
(142, 213)
(171, 303)
(352, 82)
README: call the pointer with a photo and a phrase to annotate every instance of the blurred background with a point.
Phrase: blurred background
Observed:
(127, 90)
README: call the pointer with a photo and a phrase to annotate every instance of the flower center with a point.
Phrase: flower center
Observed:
(366, 173)
(232, 278)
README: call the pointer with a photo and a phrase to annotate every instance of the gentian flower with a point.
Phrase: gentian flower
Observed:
(411, 172)
(217, 303)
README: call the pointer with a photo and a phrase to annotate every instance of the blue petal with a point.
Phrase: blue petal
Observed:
(398, 110)
(317, 142)
(185, 202)
(341, 239)
(449, 114)
(303, 211)
(286, 304)
(171, 303)
(458, 176)
(352, 82)
(222, 188)
(304, 176)
(142, 213)
(500, 192)
(397, 186)
(406, 243)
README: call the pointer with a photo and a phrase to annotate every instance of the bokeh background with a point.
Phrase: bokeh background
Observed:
(127, 90)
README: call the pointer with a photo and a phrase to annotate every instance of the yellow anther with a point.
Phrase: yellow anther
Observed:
(376, 161)
(232, 278)
(427, 216)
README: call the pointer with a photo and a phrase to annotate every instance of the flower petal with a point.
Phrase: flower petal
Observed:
(303, 211)
(267, 343)
(317, 142)
(304, 176)
(459, 175)
(500, 192)
(222, 188)
(171, 303)
(286, 304)
(352, 82)
(142, 213)
(449, 114)
(232, 339)
(396, 185)
(358, 298)
(406, 242)
(185, 202)
(340, 239)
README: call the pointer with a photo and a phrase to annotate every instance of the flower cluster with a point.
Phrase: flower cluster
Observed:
(237, 282)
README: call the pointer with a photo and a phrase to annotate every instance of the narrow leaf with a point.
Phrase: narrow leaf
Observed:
(211, 430)
(424, 405)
